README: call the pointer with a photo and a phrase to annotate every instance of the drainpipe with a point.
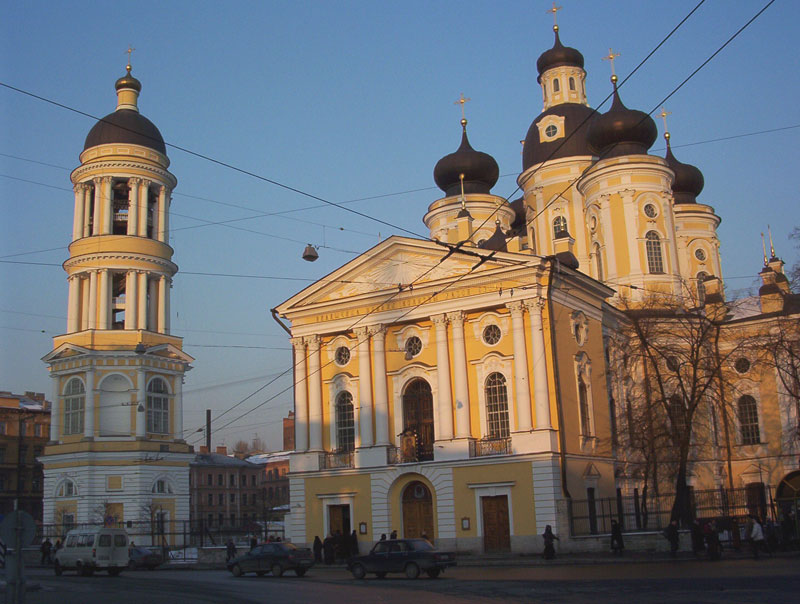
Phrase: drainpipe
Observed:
(294, 366)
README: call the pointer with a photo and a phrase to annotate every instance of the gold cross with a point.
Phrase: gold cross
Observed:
(461, 102)
(130, 52)
(554, 10)
(610, 57)
(663, 115)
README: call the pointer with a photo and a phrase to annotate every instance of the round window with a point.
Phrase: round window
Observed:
(413, 346)
(593, 223)
(650, 210)
(700, 254)
(342, 356)
(551, 131)
(491, 334)
(742, 365)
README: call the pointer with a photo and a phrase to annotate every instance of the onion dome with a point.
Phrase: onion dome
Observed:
(621, 131)
(497, 241)
(688, 179)
(126, 125)
(577, 118)
(480, 169)
(558, 55)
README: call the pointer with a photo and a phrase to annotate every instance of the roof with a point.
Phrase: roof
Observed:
(126, 126)
(265, 458)
(218, 460)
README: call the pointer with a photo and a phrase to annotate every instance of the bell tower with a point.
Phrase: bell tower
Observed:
(116, 452)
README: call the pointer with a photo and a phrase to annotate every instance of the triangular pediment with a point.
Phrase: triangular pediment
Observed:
(65, 351)
(169, 351)
(591, 471)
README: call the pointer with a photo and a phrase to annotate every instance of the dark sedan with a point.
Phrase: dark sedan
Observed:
(141, 557)
(409, 556)
(275, 558)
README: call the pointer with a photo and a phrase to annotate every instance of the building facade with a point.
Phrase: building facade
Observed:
(116, 451)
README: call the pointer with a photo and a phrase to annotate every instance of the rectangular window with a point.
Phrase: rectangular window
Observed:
(2, 455)
(221, 518)
(210, 519)
(210, 480)
(221, 499)
(233, 497)
(2, 427)
(37, 430)
(253, 480)
(233, 519)
(2, 482)
(219, 480)
(232, 480)
(73, 415)
(244, 498)
(211, 499)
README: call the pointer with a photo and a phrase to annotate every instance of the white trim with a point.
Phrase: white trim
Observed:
(494, 362)
(492, 491)
(400, 380)
(329, 499)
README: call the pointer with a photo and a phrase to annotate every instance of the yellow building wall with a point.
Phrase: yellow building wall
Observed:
(348, 483)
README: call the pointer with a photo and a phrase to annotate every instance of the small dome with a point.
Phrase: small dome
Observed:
(497, 242)
(480, 169)
(577, 119)
(688, 179)
(621, 131)
(558, 55)
(128, 81)
(126, 126)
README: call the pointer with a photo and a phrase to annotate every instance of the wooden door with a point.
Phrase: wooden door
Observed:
(418, 416)
(339, 519)
(496, 530)
(417, 511)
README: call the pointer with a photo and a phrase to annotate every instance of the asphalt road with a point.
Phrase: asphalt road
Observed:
(732, 581)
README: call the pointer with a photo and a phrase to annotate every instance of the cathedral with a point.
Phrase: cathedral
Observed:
(116, 453)
(461, 387)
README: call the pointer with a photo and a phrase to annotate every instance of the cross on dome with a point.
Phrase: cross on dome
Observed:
(610, 57)
(130, 52)
(554, 10)
(461, 101)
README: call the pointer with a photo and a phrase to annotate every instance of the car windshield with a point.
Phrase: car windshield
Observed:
(420, 545)
(288, 546)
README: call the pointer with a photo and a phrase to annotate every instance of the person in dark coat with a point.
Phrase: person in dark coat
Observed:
(394, 534)
(383, 536)
(45, 549)
(328, 547)
(617, 544)
(230, 550)
(354, 543)
(671, 535)
(549, 541)
(697, 538)
(253, 542)
(712, 540)
(317, 549)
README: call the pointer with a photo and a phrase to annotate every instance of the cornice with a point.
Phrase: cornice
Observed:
(80, 173)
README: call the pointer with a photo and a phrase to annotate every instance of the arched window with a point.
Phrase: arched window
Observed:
(556, 86)
(572, 83)
(161, 487)
(496, 406)
(345, 427)
(677, 415)
(598, 262)
(66, 489)
(583, 406)
(74, 403)
(559, 226)
(701, 287)
(655, 262)
(157, 407)
(748, 420)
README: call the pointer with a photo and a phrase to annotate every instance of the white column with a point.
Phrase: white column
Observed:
(141, 303)
(104, 299)
(84, 294)
(300, 396)
(133, 206)
(524, 422)
(73, 305)
(541, 392)
(141, 404)
(314, 394)
(144, 191)
(167, 286)
(460, 375)
(161, 213)
(364, 387)
(381, 390)
(77, 219)
(55, 409)
(98, 206)
(178, 408)
(88, 409)
(88, 189)
(162, 304)
(152, 310)
(107, 205)
(445, 402)
(131, 299)
(634, 240)
(92, 299)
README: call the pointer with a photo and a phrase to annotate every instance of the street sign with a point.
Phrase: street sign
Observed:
(8, 529)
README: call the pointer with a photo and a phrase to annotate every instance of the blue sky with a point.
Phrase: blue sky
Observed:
(349, 100)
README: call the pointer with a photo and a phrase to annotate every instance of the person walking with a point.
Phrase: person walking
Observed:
(354, 543)
(317, 549)
(394, 534)
(328, 547)
(617, 544)
(45, 549)
(756, 536)
(697, 538)
(230, 550)
(671, 534)
(712, 540)
(549, 541)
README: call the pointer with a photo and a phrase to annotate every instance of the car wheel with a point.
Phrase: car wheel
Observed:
(381, 575)
(237, 570)
(412, 570)
(433, 573)
(57, 568)
(115, 571)
(358, 570)
(277, 570)
(260, 573)
(300, 572)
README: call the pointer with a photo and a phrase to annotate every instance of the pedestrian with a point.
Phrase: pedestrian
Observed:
(712, 540)
(354, 543)
(58, 545)
(383, 536)
(253, 542)
(328, 549)
(317, 547)
(230, 550)
(697, 538)
(617, 544)
(549, 540)
(45, 549)
(756, 536)
(394, 534)
(671, 535)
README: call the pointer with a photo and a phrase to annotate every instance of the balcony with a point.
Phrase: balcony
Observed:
(335, 459)
(490, 446)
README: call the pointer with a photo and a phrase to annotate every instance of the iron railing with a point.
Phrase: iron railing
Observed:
(490, 446)
(335, 459)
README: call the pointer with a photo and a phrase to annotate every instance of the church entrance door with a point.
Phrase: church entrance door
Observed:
(417, 511)
(418, 416)
(496, 532)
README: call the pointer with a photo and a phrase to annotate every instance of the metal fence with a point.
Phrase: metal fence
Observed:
(653, 513)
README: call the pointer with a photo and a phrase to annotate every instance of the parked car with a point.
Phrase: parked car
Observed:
(275, 558)
(409, 556)
(141, 557)
(91, 549)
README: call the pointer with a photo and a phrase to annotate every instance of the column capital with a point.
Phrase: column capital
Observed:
(517, 307)
(97, 179)
(439, 320)
(377, 331)
(627, 194)
(80, 187)
(361, 332)
(134, 180)
(144, 182)
(297, 341)
(457, 317)
(534, 305)
(106, 179)
(313, 341)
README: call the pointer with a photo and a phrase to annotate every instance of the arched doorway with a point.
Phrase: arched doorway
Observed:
(787, 496)
(418, 416)
(417, 511)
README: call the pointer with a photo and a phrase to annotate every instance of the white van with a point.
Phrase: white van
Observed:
(90, 549)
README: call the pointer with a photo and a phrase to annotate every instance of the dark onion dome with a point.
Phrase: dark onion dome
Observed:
(126, 126)
(557, 56)
(688, 179)
(497, 242)
(577, 118)
(621, 131)
(480, 169)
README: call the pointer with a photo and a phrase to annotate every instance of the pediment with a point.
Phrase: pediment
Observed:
(169, 351)
(591, 471)
(65, 351)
